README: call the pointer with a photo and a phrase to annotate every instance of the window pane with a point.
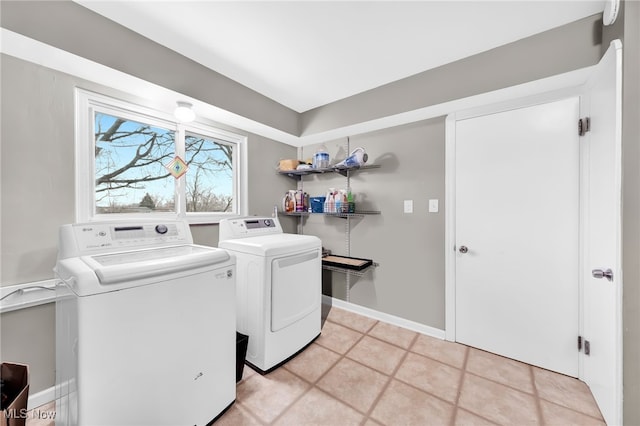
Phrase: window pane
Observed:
(129, 160)
(209, 180)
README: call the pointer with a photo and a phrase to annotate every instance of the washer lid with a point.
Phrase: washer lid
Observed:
(272, 245)
(131, 265)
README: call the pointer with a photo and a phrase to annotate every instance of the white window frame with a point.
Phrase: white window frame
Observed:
(88, 102)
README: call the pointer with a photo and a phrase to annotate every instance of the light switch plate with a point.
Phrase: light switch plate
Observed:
(408, 206)
(433, 206)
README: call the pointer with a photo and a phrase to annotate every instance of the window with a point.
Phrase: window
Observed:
(127, 156)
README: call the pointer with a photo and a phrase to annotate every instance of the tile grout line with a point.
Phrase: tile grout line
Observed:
(313, 385)
(408, 350)
(537, 396)
(390, 378)
(463, 372)
(600, 419)
(506, 385)
(375, 322)
(255, 416)
(251, 413)
(548, 401)
(433, 395)
(343, 356)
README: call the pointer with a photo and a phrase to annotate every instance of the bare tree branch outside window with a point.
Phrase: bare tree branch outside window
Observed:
(130, 173)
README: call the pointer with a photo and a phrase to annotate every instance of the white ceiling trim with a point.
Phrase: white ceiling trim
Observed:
(162, 99)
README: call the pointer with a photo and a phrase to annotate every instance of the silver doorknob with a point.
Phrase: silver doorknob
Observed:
(463, 249)
(599, 273)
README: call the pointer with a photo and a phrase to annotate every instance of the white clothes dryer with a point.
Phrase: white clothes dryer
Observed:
(278, 288)
(145, 326)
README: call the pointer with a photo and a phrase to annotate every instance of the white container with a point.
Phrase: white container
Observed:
(321, 158)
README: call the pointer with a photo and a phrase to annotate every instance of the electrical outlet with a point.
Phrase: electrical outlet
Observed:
(408, 206)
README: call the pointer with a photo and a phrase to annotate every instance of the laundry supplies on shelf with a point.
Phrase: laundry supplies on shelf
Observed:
(339, 201)
(295, 201)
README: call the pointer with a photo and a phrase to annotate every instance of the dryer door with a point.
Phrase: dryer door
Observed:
(295, 288)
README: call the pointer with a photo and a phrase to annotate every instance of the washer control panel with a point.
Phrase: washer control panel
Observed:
(96, 237)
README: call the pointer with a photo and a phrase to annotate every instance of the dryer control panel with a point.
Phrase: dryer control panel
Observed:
(231, 229)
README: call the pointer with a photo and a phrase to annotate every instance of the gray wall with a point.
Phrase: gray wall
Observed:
(631, 210)
(38, 195)
(409, 282)
(38, 189)
(28, 337)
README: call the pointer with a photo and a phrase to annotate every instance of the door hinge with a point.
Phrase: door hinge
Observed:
(584, 125)
(579, 343)
(584, 343)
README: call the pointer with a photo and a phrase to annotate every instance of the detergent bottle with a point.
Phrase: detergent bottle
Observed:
(299, 197)
(289, 204)
(329, 201)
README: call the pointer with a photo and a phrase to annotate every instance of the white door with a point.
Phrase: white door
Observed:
(517, 234)
(603, 298)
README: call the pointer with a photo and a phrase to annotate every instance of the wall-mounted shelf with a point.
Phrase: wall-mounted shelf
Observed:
(297, 174)
(357, 213)
(350, 271)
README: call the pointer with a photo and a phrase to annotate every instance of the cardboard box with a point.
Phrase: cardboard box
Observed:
(15, 393)
(287, 165)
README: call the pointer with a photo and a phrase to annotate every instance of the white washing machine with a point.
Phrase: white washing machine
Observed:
(145, 326)
(279, 288)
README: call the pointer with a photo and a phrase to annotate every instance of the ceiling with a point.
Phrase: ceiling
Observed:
(305, 54)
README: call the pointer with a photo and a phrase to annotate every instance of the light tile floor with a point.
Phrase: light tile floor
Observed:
(361, 371)
(365, 372)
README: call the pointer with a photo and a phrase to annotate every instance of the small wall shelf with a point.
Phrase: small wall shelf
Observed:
(297, 174)
(350, 271)
(358, 213)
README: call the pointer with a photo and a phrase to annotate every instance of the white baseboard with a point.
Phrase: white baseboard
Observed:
(381, 316)
(41, 398)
